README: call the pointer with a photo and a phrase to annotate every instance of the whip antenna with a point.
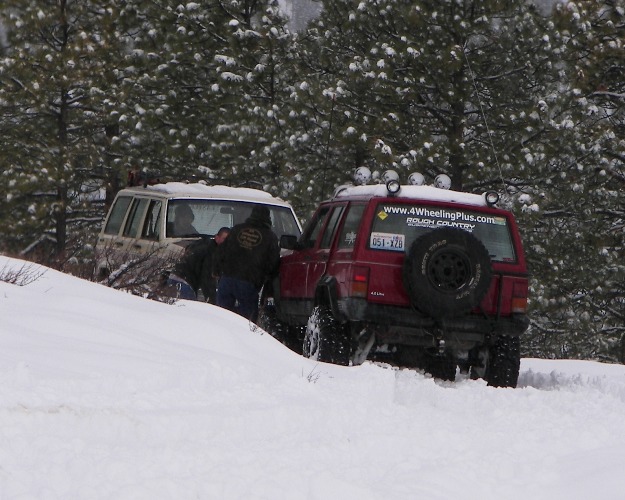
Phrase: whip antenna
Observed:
(490, 135)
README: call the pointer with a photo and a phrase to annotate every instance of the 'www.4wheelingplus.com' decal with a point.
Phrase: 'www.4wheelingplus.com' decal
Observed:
(438, 217)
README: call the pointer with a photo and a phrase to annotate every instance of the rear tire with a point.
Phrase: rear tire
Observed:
(326, 339)
(504, 362)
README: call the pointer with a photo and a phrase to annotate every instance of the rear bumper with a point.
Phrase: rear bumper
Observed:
(406, 326)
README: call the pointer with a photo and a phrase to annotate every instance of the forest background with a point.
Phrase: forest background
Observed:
(500, 95)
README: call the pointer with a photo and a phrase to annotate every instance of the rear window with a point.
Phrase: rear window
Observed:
(396, 226)
(208, 216)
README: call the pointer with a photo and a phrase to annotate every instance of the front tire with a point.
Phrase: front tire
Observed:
(325, 338)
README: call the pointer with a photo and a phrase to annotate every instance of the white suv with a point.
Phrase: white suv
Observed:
(146, 220)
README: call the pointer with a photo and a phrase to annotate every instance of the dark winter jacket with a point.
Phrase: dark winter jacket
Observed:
(251, 251)
(195, 267)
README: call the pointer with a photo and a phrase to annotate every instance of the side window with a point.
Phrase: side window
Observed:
(314, 228)
(152, 225)
(333, 222)
(131, 229)
(116, 217)
(347, 238)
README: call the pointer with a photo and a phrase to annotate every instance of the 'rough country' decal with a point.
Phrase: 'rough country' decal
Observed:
(433, 217)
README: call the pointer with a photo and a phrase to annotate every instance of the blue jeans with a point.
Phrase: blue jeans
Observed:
(238, 296)
(182, 288)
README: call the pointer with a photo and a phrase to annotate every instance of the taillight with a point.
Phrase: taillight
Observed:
(519, 297)
(360, 282)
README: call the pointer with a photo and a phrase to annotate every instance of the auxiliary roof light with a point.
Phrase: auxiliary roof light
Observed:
(442, 181)
(416, 179)
(390, 175)
(491, 198)
(362, 176)
(393, 186)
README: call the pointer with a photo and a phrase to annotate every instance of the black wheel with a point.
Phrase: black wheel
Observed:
(447, 272)
(504, 362)
(325, 338)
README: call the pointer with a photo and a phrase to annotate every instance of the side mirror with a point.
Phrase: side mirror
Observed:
(288, 242)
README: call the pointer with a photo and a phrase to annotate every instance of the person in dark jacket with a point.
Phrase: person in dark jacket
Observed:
(249, 256)
(194, 271)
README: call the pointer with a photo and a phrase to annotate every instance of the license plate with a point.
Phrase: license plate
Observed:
(387, 241)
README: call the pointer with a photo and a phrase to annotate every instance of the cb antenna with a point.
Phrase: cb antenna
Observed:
(490, 135)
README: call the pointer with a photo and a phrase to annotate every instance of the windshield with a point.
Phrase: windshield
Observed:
(397, 226)
(189, 217)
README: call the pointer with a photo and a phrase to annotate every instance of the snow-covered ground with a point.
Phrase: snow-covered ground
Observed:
(104, 395)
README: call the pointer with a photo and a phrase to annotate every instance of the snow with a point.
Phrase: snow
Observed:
(199, 190)
(105, 395)
(429, 193)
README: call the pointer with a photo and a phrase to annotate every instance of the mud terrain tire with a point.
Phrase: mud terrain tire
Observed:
(326, 339)
(447, 272)
(504, 362)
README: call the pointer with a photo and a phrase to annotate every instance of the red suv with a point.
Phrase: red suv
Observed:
(426, 277)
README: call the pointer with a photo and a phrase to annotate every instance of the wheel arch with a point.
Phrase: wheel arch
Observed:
(326, 294)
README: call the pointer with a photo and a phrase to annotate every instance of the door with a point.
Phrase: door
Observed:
(317, 263)
(294, 267)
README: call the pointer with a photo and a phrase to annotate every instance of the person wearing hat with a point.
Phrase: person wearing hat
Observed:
(247, 258)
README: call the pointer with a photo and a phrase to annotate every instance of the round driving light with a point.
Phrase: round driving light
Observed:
(491, 198)
(362, 176)
(416, 179)
(393, 186)
(442, 181)
(390, 175)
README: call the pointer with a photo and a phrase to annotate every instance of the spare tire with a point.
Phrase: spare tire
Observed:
(447, 272)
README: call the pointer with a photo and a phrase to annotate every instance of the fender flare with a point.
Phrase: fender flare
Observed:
(326, 294)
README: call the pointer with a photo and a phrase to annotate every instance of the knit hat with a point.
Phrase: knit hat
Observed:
(260, 215)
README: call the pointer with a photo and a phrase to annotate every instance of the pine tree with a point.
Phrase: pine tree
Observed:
(52, 95)
(578, 238)
(432, 86)
(211, 80)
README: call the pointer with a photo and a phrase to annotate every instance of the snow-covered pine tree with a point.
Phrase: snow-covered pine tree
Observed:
(253, 84)
(576, 241)
(432, 86)
(53, 87)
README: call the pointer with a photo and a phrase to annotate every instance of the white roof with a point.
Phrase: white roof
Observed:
(429, 193)
(198, 190)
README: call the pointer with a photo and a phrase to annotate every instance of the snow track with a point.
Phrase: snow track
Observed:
(125, 398)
